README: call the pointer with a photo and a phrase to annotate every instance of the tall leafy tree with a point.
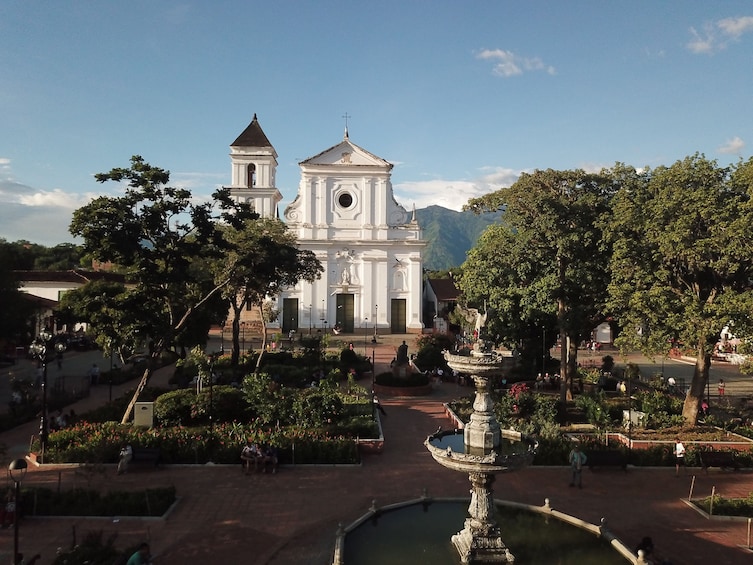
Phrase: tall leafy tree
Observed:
(159, 235)
(682, 266)
(264, 258)
(16, 312)
(545, 264)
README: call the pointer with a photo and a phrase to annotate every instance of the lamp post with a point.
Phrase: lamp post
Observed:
(630, 415)
(44, 348)
(311, 314)
(17, 472)
(365, 333)
(543, 350)
(376, 320)
(110, 373)
(211, 399)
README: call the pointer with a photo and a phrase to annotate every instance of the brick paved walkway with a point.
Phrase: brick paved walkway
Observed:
(290, 518)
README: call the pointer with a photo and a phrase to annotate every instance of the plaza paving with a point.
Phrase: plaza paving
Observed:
(224, 516)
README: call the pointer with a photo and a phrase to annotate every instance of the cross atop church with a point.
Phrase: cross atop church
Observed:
(346, 116)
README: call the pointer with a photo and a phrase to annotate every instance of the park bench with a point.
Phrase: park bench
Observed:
(606, 458)
(146, 456)
(721, 459)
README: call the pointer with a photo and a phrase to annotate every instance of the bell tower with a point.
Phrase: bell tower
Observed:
(254, 164)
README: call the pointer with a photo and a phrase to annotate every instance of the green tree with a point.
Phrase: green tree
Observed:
(161, 238)
(545, 263)
(682, 264)
(115, 322)
(263, 258)
(17, 311)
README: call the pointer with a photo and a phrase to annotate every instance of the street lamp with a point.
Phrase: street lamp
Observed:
(109, 345)
(44, 348)
(543, 350)
(376, 320)
(365, 333)
(17, 472)
(311, 313)
(373, 363)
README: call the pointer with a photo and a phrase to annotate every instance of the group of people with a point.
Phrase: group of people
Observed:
(264, 456)
(547, 382)
(62, 420)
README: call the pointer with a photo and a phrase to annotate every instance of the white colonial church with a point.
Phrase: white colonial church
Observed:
(345, 212)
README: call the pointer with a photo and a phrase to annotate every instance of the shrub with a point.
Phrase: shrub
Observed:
(315, 407)
(594, 409)
(430, 353)
(269, 402)
(174, 408)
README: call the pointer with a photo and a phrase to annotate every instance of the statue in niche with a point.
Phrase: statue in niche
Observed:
(346, 258)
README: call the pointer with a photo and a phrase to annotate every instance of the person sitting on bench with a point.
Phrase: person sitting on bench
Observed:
(250, 454)
(269, 455)
(126, 455)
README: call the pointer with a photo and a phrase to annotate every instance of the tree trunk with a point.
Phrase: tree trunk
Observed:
(572, 365)
(263, 337)
(235, 339)
(565, 389)
(142, 383)
(697, 389)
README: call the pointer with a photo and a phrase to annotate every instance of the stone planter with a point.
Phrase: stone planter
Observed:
(372, 445)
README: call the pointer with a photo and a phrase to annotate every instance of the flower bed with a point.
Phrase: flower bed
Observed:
(720, 506)
(101, 443)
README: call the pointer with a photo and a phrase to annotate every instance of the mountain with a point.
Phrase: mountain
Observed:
(450, 234)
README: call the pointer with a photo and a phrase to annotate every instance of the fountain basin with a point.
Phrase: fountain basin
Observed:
(448, 448)
(536, 534)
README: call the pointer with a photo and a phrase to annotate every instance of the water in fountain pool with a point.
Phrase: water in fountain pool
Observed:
(420, 533)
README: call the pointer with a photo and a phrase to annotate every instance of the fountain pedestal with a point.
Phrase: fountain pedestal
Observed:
(486, 450)
(481, 539)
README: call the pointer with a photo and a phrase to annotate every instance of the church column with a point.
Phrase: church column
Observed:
(415, 281)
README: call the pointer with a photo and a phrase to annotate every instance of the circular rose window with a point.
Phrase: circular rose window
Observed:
(345, 200)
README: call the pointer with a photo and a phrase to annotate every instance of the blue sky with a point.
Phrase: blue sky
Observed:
(460, 96)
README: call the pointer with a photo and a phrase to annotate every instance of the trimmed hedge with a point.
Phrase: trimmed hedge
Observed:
(40, 501)
(101, 443)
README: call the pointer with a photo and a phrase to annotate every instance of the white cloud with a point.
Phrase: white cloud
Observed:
(735, 27)
(508, 64)
(716, 36)
(733, 146)
(453, 194)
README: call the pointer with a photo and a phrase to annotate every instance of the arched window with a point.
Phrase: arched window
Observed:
(251, 175)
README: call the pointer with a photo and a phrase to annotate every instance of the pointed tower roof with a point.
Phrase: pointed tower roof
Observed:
(252, 136)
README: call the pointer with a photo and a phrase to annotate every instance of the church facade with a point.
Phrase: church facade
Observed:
(345, 212)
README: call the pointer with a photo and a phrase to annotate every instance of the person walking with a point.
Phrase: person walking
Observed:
(720, 387)
(577, 459)
(679, 457)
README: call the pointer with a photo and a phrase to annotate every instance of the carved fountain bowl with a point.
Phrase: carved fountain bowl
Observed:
(483, 365)
(514, 452)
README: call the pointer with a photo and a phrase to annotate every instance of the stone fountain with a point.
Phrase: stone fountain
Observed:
(482, 450)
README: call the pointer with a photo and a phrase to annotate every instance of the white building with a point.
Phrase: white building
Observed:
(345, 212)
